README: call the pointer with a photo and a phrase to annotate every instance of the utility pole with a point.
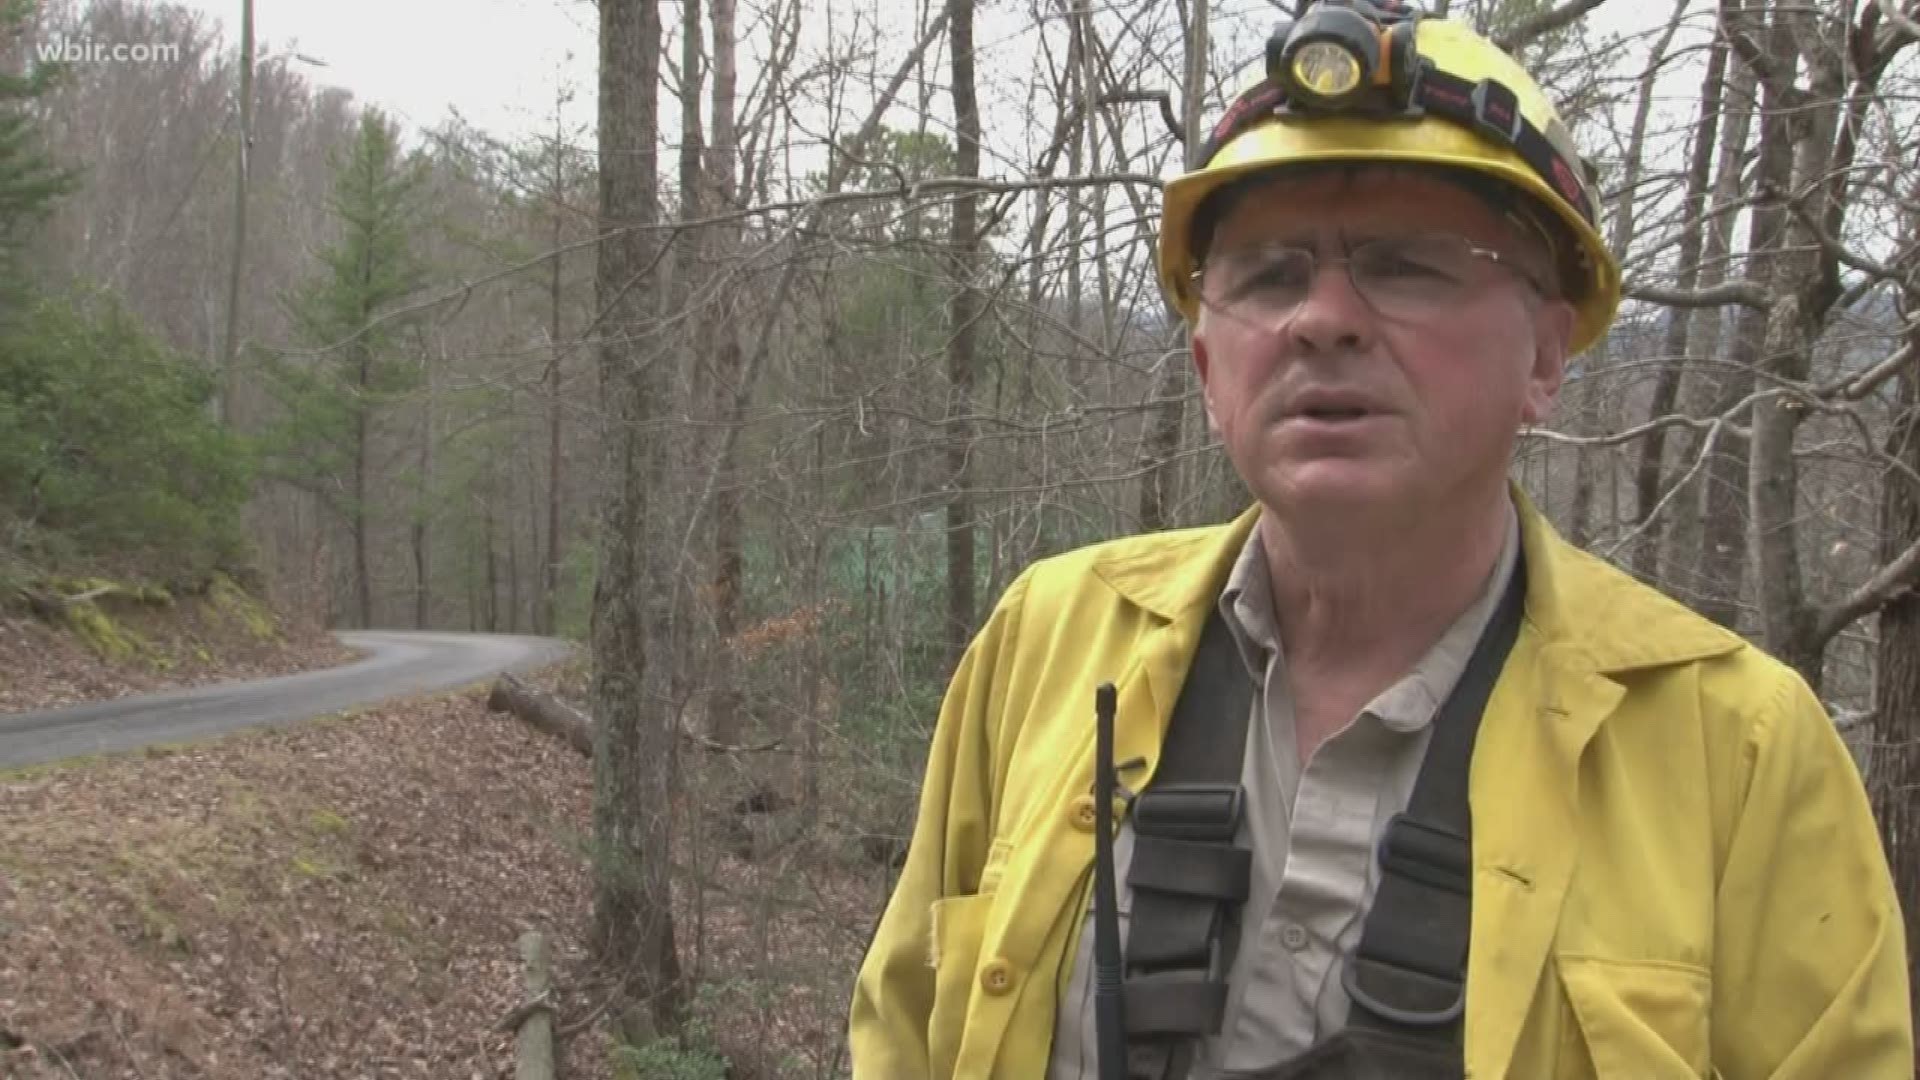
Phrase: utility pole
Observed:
(556, 192)
(230, 349)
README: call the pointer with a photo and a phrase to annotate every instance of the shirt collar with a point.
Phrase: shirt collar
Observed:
(1246, 605)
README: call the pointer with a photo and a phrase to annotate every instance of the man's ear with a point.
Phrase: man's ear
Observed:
(1203, 366)
(1552, 330)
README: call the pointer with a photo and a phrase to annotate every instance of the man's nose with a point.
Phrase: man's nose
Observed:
(1333, 316)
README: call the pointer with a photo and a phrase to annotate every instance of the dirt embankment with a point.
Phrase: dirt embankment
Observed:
(342, 900)
(137, 641)
(339, 899)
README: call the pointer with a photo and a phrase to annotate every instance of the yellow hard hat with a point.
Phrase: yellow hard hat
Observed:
(1464, 104)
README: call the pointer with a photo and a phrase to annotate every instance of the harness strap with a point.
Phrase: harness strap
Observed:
(1188, 876)
(1408, 975)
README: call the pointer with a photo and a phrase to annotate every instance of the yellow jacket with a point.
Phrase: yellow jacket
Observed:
(1676, 872)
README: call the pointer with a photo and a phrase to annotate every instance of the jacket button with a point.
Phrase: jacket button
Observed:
(1081, 812)
(996, 977)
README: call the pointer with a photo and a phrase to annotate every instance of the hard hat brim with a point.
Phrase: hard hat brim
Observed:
(1285, 142)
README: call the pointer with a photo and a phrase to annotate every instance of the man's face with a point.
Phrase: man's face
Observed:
(1337, 407)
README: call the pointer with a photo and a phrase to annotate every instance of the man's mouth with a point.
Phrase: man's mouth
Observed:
(1331, 413)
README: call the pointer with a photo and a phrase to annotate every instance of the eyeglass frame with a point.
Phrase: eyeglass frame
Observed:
(1316, 262)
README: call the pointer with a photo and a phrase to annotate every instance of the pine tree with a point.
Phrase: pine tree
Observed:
(325, 442)
(30, 181)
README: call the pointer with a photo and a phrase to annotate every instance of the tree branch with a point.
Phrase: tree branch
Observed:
(1901, 574)
(1899, 22)
(1739, 291)
(1839, 251)
(1866, 382)
(916, 190)
(1778, 82)
(1545, 23)
(1161, 97)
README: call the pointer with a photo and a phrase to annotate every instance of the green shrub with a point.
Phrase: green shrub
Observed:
(686, 1058)
(107, 449)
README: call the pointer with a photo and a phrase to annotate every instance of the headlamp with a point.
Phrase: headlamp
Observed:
(1326, 70)
(1346, 55)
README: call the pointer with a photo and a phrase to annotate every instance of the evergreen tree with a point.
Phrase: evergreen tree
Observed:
(325, 441)
(30, 181)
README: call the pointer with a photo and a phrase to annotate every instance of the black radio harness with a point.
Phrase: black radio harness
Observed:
(1189, 876)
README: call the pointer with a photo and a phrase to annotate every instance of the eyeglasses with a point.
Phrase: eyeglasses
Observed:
(1411, 279)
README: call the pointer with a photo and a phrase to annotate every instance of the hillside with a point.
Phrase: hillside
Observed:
(126, 639)
(339, 899)
(342, 899)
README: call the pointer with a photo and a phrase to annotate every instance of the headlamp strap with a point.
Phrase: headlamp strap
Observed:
(1490, 108)
(1487, 107)
(1257, 103)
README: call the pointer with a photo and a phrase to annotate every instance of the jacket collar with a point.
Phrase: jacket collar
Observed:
(1591, 612)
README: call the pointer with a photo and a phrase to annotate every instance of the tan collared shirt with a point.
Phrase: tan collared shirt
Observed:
(1312, 830)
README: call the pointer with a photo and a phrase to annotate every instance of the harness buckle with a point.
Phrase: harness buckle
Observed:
(1427, 853)
(1205, 812)
(1496, 111)
(1451, 994)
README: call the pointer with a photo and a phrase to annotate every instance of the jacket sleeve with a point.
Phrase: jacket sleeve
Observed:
(1811, 967)
(893, 993)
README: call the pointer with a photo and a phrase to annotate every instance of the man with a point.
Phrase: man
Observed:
(1673, 868)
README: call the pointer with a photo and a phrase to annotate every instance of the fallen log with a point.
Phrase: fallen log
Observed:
(549, 714)
(562, 721)
(543, 711)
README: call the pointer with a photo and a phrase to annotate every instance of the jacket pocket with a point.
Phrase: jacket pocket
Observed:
(1640, 1020)
(959, 923)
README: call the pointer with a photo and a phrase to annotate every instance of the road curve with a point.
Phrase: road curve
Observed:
(396, 664)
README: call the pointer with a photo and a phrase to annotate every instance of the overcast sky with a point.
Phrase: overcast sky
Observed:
(498, 61)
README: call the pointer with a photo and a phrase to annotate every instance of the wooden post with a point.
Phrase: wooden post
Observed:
(534, 1042)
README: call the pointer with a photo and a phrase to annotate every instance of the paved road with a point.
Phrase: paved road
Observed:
(395, 664)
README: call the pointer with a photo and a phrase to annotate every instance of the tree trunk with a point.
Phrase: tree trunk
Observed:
(723, 709)
(230, 342)
(1894, 764)
(555, 548)
(1168, 413)
(634, 749)
(1650, 474)
(493, 571)
(422, 512)
(1706, 329)
(966, 308)
(1724, 549)
(1803, 287)
(362, 455)
(513, 573)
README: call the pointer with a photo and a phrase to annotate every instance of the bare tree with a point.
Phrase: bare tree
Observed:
(1650, 477)
(634, 747)
(1894, 773)
(967, 308)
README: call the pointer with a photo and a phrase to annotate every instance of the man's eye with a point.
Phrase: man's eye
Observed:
(1391, 265)
(1271, 276)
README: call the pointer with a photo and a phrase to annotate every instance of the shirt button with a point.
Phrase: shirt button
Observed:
(996, 977)
(1081, 813)
(1294, 937)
